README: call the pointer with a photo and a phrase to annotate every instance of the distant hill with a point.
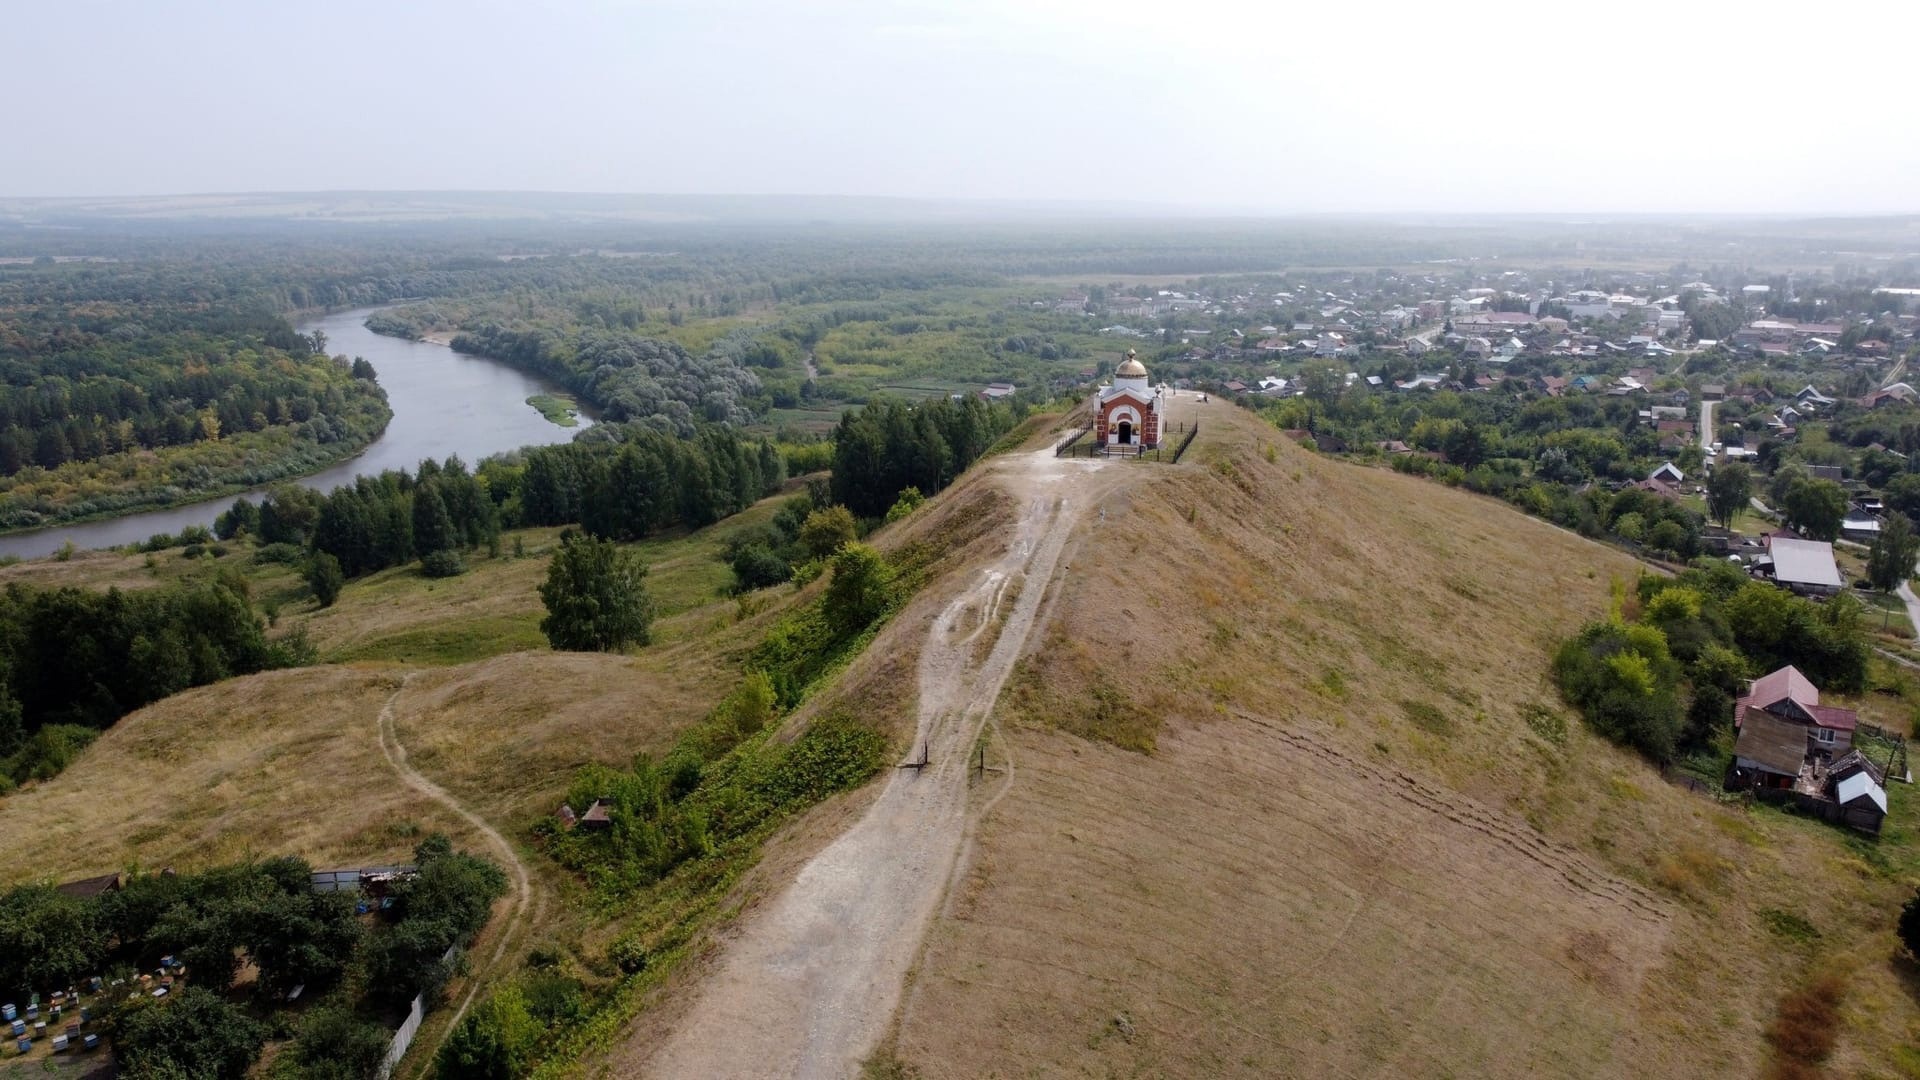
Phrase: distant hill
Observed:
(429, 206)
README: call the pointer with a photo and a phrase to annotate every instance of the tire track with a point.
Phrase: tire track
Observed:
(810, 985)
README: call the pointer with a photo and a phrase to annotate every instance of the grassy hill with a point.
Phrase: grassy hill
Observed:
(1290, 794)
(1284, 789)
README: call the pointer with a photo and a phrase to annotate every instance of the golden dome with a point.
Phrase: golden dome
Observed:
(1131, 368)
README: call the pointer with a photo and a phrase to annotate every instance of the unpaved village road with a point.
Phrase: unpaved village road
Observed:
(810, 984)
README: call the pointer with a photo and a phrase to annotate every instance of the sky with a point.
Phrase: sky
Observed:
(1357, 106)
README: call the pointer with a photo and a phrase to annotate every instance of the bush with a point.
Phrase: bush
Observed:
(496, 1040)
(193, 1033)
(335, 1044)
(1625, 682)
(1910, 925)
(444, 563)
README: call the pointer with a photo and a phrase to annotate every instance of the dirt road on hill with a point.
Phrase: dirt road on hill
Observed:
(520, 899)
(811, 983)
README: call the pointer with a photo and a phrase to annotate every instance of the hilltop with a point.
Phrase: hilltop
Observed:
(1280, 786)
(1288, 792)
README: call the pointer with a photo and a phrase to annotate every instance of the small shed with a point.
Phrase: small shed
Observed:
(88, 888)
(1863, 802)
(599, 815)
(1769, 752)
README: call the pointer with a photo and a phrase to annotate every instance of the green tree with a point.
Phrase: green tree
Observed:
(1891, 557)
(47, 940)
(496, 1040)
(596, 596)
(325, 578)
(334, 1044)
(827, 531)
(1814, 507)
(432, 524)
(1729, 490)
(193, 1033)
(860, 589)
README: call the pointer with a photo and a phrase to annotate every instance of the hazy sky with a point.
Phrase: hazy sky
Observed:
(1622, 106)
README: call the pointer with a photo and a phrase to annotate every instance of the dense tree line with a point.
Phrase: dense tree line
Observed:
(628, 377)
(68, 394)
(74, 656)
(888, 447)
(614, 488)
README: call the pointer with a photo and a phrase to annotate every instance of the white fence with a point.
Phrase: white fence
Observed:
(417, 1012)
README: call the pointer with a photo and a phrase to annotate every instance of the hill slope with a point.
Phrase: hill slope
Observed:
(1290, 794)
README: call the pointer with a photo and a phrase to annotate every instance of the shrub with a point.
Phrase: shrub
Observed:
(1804, 1024)
(496, 1040)
(1909, 925)
(335, 1044)
(444, 563)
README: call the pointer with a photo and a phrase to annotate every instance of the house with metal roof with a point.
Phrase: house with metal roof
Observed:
(1805, 566)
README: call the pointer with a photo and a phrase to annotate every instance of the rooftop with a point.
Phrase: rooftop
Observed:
(1805, 562)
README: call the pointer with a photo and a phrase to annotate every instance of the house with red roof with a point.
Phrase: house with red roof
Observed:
(1787, 740)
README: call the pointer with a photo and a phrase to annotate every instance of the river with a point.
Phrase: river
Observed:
(443, 403)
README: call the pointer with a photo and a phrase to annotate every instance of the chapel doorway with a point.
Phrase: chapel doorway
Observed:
(1126, 433)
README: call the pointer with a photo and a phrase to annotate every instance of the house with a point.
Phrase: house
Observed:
(1713, 391)
(1861, 526)
(1804, 566)
(1823, 472)
(997, 391)
(1791, 696)
(1655, 486)
(1792, 747)
(1669, 473)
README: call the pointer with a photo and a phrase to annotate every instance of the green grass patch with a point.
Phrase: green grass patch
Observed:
(1427, 717)
(557, 408)
(1788, 926)
(444, 644)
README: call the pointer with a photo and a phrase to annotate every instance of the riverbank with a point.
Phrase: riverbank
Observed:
(160, 500)
(141, 481)
(441, 404)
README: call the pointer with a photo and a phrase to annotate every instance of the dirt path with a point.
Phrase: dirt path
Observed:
(521, 898)
(811, 984)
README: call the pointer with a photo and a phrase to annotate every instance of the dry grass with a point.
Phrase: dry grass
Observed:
(1803, 1030)
(284, 762)
(1329, 817)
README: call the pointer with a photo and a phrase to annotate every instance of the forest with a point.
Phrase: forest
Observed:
(73, 661)
(114, 399)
